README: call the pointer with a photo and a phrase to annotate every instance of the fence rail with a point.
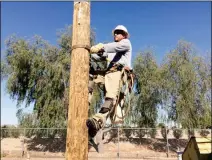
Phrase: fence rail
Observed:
(146, 132)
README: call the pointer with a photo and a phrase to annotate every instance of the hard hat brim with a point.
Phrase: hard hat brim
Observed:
(127, 34)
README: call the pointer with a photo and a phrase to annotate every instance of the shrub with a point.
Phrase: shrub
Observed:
(113, 133)
(29, 132)
(161, 125)
(15, 133)
(40, 133)
(152, 133)
(127, 132)
(63, 133)
(4, 132)
(190, 132)
(177, 133)
(204, 133)
(10, 131)
(163, 132)
(140, 133)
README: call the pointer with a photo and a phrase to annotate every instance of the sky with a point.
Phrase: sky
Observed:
(158, 25)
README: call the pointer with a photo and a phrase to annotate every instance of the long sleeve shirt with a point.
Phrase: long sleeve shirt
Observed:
(117, 52)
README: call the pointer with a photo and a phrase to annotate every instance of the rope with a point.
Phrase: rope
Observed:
(128, 94)
(129, 101)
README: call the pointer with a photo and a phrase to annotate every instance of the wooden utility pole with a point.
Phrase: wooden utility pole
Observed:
(77, 132)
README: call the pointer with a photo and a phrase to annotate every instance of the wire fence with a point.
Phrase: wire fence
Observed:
(116, 142)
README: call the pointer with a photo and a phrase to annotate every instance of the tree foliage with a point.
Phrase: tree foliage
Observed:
(38, 73)
(145, 109)
(181, 85)
(186, 86)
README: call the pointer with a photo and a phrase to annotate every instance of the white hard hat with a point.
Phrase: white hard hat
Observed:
(123, 28)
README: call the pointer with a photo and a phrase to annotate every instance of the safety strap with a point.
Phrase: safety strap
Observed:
(114, 68)
(80, 46)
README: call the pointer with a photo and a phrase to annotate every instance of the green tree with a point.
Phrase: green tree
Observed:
(186, 86)
(38, 73)
(147, 71)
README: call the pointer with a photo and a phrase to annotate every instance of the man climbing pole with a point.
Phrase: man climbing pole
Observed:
(118, 55)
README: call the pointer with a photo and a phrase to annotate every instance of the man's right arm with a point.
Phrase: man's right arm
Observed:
(98, 58)
(114, 47)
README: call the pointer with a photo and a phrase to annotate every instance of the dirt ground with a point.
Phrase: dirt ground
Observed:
(93, 158)
(111, 148)
(52, 149)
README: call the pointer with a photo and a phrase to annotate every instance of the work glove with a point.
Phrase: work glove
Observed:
(96, 48)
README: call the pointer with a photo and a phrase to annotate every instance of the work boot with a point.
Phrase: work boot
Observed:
(97, 122)
(93, 126)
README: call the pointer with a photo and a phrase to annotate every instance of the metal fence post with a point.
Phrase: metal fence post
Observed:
(167, 142)
(118, 143)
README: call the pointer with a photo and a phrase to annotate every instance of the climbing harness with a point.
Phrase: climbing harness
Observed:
(125, 91)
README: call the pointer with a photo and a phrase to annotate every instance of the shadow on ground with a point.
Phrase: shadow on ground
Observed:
(47, 144)
(59, 144)
(155, 144)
